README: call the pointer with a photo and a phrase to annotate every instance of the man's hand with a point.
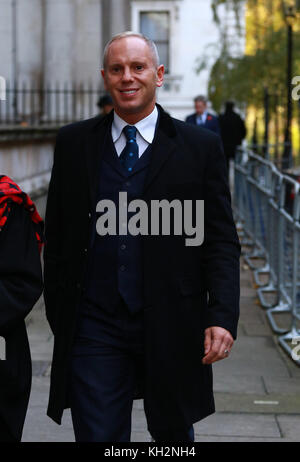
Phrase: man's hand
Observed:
(217, 344)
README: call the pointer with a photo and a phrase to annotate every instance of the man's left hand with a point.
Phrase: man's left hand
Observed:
(217, 344)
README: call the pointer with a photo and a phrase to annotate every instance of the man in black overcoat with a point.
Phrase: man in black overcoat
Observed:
(137, 315)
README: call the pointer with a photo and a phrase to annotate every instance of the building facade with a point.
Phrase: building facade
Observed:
(60, 42)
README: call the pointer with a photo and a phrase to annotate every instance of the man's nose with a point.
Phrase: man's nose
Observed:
(127, 74)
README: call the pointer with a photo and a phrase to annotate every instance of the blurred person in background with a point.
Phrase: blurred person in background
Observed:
(233, 131)
(21, 285)
(105, 105)
(202, 117)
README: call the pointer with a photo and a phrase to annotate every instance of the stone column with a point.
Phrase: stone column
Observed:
(59, 55)
(29, 41)
(120, 16)
(88, 41)
(59, 41)
(6, 39)
(115, 18)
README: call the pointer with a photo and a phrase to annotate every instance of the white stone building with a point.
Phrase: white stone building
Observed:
(49, 41)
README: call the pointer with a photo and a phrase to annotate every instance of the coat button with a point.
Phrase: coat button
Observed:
(123, 247)
(90, 215)
(122, 268)
(78, 285)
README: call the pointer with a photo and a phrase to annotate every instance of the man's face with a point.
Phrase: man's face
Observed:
(131, 78)
(200, 107)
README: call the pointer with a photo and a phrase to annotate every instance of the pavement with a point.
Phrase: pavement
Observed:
(257, 388)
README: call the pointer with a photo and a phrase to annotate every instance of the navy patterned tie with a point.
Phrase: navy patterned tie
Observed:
(130, 153)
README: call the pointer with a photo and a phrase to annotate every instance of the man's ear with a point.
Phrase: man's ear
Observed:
(103, 76)
(160, 75)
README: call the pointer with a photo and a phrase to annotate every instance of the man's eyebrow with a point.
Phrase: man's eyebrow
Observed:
(132, 63)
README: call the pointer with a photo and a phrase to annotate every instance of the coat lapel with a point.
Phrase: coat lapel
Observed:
(94, 152)
(163, 146)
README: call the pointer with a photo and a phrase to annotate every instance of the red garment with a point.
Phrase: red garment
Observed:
(10, 192)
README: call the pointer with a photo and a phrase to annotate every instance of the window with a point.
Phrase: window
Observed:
(156, 25)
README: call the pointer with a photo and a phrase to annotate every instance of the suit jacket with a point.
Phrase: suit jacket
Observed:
(211, 122)
(187, 163)
(20, 287)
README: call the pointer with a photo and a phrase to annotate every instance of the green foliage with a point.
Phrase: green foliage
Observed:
(263, 65)
(234, 5)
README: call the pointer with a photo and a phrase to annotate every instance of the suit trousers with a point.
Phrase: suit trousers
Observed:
(5, 434)
(106, 369)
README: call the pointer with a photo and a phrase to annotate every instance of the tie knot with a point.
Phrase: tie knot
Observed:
(130, 132)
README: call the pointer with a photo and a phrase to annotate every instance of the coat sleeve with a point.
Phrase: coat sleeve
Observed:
(221, 247)
(52, 249)
(190, 119)
(20, 269)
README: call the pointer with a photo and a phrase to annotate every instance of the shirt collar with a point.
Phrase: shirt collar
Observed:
(202, 116)
(145, 127)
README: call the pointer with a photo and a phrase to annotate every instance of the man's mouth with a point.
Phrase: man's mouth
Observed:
(129, 92)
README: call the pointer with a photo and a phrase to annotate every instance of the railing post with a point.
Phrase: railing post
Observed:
(266, 119)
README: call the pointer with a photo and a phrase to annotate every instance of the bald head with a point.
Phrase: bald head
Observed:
(151, 45)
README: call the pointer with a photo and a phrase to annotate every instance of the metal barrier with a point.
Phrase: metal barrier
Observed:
(266, 207)
(272, 269)
(291, 282)
(253, 177)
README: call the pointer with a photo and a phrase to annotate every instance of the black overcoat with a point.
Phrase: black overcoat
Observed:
(233, 131)
(187, 163)
(20, 287)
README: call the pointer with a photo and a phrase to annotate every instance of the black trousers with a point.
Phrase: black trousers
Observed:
(106, 368)
(5, 434)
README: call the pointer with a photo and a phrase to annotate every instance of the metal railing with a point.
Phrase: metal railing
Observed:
(266, 206)
(57, 104)
(276, 153)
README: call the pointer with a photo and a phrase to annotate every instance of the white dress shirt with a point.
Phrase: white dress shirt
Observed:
(144, 134)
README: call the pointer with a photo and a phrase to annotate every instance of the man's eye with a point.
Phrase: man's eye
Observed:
(115, 69)
(139, 67)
